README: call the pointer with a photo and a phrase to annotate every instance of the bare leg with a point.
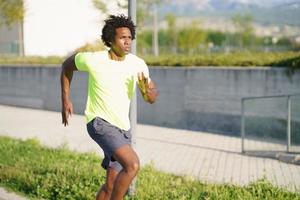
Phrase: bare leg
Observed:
(105, 190)
(127, 157)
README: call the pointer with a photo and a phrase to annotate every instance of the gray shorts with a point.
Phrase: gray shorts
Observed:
(109, 138)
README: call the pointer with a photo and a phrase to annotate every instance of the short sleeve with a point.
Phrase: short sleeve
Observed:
(144, 68)
(81, 61)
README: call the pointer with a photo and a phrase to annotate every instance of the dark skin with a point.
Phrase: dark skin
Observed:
(116, 183)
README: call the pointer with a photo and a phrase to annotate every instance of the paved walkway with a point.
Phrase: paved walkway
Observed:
(208, 157)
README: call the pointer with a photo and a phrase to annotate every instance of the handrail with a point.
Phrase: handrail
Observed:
(288, 136)
(273, 96)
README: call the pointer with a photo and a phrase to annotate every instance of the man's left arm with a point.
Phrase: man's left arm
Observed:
(147, 88)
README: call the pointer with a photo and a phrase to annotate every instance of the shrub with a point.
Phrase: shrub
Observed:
(282, 59)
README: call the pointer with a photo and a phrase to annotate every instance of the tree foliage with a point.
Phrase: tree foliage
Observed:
(172, 31)
(190, 38)
(11, 11)
(101, 5)
(244, 26)
(145, 11)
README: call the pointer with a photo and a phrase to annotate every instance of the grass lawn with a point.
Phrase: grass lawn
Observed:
(38, 172)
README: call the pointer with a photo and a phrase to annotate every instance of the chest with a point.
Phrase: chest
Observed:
(114, 76)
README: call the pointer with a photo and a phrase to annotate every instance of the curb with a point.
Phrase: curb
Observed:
(291, 158)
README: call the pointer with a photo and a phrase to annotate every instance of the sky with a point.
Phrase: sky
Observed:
(204, 4)
(57, 27)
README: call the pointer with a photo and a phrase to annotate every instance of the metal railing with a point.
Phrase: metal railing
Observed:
(257, 113)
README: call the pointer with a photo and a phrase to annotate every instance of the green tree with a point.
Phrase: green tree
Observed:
(216, 37)
(144, 42)
(142, 13)
(147, 8)
(244, 26)
(101, 5)
(11, 12)
(172, 31)
(190, 38)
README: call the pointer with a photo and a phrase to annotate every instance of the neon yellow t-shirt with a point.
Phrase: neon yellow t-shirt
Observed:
(111, 85)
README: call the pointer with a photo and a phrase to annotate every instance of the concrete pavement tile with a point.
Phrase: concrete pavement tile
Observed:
(244, 172)
(221, 167)
(252, 169)
(5, 195)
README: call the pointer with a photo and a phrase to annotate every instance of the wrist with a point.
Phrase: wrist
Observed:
(65, 101)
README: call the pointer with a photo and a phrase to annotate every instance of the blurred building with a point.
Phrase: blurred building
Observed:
(52, 27)
(11, 39)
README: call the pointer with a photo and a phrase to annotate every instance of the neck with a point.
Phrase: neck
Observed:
(114, 56)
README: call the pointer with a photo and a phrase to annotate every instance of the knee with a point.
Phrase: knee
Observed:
(133, 167)
(136, 166)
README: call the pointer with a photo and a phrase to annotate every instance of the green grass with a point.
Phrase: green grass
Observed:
(39, 172)
(281, 59)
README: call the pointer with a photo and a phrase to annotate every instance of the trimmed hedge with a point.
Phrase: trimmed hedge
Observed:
(281, 59)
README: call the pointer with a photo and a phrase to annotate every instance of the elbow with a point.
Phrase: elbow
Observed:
(151, 101)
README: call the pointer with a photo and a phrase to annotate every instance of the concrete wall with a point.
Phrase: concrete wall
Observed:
(207, 99)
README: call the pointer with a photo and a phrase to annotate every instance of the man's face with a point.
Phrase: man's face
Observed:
(122, 43)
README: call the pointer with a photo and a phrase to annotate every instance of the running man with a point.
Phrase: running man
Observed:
(113, 75)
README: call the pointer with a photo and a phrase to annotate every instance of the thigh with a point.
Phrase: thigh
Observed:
(107, 136)
(126, 156)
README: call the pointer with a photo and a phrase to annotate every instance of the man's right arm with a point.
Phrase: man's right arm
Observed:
(68, 67)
